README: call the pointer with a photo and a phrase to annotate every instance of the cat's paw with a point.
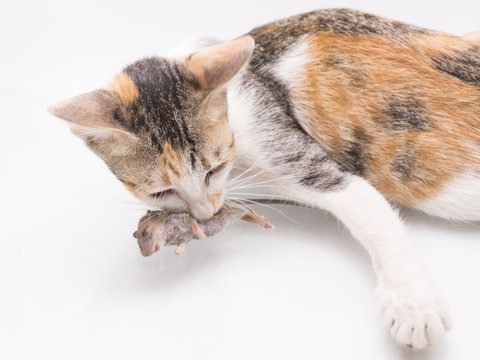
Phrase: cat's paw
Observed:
(414, 316)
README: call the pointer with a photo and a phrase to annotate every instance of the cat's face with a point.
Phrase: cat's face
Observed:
(162, 127)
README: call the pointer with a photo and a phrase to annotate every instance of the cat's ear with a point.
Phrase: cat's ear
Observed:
(94, 109)
(91, 117)
(216, 65)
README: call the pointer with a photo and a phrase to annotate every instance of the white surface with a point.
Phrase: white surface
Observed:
(73, 282)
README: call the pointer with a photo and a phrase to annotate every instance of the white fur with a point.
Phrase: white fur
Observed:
(410, 307)
(458, 200)
(288, 66)
(289, 69)
(241, 118)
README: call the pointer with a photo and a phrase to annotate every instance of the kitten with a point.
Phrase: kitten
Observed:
(336, 109)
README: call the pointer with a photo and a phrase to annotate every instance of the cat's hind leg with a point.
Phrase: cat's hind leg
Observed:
(411, 309)
(459, 200)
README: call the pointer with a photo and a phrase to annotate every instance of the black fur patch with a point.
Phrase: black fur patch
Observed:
(316, 176)
(463, 66)
(311, 179)
(404, 161)
(164, 103)
(353, 157)
(347, 65)
(404, 113)
(193, 160)
(317, 161)
(294, 158)
(354, 154)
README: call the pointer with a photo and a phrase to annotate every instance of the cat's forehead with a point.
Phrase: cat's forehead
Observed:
(158, 102)
(161, 105)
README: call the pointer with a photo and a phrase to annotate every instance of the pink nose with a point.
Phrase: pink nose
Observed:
(202, 211)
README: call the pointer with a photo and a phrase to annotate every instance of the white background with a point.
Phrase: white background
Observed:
(72, 281)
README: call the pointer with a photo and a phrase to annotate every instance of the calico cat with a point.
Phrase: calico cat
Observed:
(335, 109)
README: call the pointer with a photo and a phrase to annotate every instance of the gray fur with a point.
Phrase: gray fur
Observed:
(405, 113)
(270, 45)
(463, 66)
(165, 106)
(404, 165)
(292, 152)
(157, 229)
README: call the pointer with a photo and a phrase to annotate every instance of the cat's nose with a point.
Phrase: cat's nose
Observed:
(202, 211)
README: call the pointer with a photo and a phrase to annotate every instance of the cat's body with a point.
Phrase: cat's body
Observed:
(336, 109)
(396, 105)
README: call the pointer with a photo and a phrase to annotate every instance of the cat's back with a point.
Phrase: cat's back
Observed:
(396, 104)
(273, 40)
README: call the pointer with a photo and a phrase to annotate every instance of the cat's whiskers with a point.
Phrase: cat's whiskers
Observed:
(138, 205)
(254, 194)
(266, 184)
(241, 181)
(238, 177)
(145, 220)
(262, 184)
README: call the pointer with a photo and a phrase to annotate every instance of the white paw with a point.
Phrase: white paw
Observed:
(415, 316)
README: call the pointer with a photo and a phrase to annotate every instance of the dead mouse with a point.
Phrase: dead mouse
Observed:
(157, 229)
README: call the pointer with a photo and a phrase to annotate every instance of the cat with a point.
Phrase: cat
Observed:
(335, 109)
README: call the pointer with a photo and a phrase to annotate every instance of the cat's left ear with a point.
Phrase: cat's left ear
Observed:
(92, 111)
(91, 117)
(216, 65)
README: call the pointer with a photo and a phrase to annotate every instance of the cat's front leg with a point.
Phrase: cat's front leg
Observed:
(410, 307)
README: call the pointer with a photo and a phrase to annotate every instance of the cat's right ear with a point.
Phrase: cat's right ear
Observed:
(91, 117)
(214, 66)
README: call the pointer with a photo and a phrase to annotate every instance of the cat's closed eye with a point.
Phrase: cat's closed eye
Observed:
(214, 171)
(163, 193)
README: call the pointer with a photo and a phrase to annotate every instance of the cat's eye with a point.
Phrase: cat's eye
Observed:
(213, 171)
(163, 193)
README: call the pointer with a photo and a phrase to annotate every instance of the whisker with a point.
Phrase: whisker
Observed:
(252, 194)
(272, 180)
(255, 186)
(147, 219)
(244, 172)
(263, 171)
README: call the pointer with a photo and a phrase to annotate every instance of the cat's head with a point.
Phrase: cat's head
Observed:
(162, 127)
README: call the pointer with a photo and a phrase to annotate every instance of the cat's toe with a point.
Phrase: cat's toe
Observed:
(413, 318)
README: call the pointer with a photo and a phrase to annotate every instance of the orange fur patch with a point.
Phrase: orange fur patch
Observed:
(171, 164)
(130, 187)
(345, 90)
(215, 197)
(124, 86)
(206, 163)
(217, 132)
(220, 136)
